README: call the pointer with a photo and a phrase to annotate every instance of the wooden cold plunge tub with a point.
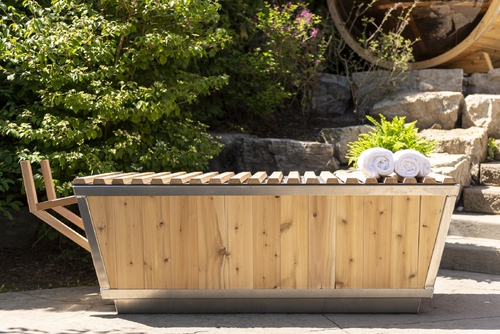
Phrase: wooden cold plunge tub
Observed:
(196, 243)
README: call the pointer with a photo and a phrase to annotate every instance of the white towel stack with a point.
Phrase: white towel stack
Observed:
(411, 163)
(376, 162)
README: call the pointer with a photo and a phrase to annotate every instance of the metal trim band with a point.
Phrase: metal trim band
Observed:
(267, 190)
(264, 293)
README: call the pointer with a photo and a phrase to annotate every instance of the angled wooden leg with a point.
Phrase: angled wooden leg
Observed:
(38, 209)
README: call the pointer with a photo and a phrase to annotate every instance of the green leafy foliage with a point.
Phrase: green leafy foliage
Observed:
(98, 86)
(272, 62)
(493, 148)
(7, 199)
(393, 135)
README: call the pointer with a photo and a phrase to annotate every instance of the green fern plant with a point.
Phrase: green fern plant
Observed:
(493, 148)
(393, 135)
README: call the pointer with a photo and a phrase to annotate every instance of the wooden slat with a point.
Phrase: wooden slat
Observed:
(90, 179)
(184, 241)
(146, 179)
(108, 179)
(377, 240)
(275, 178)
(129, 246)
(257, 178)
(404, 242)
(293, 178)
(103, 221)
(426, 180)
(362, 178)
(127, 179)
(165, 179)
(328, 178)
(321, 242)
(294, 230)
(156, 270)
(310, 178)
(266, 241)
(221, 178)
(63, 201)
(212, 243)
(444, 179)
(406, 180)
(431, 209)
(240, 178)
(184, 178)
(204, 178)
(240, 242)
(346, 177)
(349, 242)
(389, 180)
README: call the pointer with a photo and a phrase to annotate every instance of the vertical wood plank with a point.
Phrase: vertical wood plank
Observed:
(240, 241)
(431, 209)
(377, 237)
(129, 248)
(166, 231)
(349, 241)
(104, 227)
(404, 243)
(294, 242)
(212, 243)
(321, 242)
(156, 268)
(266, 241)
(184, 242)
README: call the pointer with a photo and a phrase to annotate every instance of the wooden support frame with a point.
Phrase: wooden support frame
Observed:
(54, 203)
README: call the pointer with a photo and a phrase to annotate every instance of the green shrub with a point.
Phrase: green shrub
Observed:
(394, 136)
(272, 61)
(97, 86)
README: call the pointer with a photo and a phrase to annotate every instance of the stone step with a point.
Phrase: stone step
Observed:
(475, 225)
(471, 254)
(482, 199)
(490, 173)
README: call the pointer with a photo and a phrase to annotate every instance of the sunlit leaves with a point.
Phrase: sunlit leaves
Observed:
(99, 86)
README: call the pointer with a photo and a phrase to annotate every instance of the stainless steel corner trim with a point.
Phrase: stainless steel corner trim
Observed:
(102, 277)
(437, 253)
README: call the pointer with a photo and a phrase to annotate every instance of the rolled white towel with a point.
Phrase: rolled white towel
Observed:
(411, 163)
(376, 162)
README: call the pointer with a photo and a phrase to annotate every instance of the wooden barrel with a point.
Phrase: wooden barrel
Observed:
(451, 34)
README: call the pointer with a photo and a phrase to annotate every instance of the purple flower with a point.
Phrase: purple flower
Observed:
(305, 15)
(314, 32)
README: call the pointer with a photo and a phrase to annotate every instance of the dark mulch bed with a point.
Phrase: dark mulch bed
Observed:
(43, 266)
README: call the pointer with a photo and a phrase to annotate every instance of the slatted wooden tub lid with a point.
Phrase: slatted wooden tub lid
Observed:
(247, 178)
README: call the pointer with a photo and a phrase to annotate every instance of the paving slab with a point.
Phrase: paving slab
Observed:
(462, 302)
